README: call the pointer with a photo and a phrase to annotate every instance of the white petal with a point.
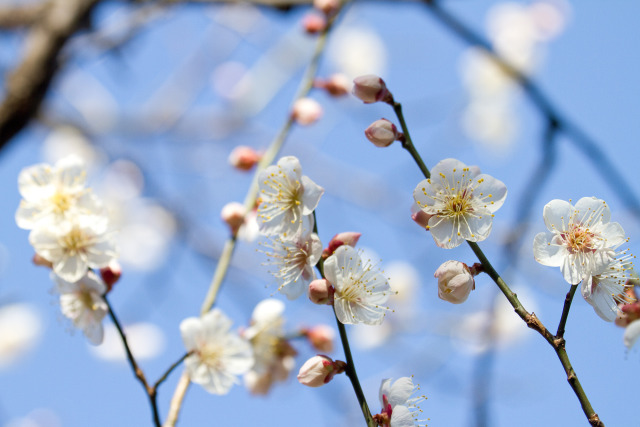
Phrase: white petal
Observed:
(310, 196)
(401, 417)
(476, 228)
(401, 391)
(444, 232)
(447, 168)
(613, 233)
(631, 334)
(546, 252)
(191, 331)
(385, 387)
(588, 206)
(557, 214)
(491, 191)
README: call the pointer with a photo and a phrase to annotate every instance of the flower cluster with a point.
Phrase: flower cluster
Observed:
(70, 233)
(583, 242)
(399, 409)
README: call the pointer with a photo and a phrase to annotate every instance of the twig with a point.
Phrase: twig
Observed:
(16, 16)
(565, 311)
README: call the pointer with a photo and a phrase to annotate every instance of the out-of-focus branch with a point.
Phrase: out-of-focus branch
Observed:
(28, 83)
(16, 16)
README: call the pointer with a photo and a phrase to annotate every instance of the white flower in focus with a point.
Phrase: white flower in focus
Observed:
(579, 238)
(73, 248)
(359, 289)
(218, 354)
(294, 261)
(462, 202)
(82, 302)
(287, 196)
(605, 288)
(54, 194)
(399, 409)
(274, 357)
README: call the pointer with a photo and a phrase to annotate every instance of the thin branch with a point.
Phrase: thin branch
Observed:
(17, 16)
(565, 311)
(589, 147)
(170, 369)
(29, 82)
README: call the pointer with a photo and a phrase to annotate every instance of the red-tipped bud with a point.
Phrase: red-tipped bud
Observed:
(321, 338)
(321, 292)
(233, 214)
(306, 111)
(319, 370)
(38, 260)
(244, 158)
(382, 133)
(314, 23)
(345, 238)
(371, 88)
(455, 281)
(328, 7)
(419, 216)
(111, 274)
(336, 85)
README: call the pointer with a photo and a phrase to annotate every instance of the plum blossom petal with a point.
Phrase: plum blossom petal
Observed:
(399, 409)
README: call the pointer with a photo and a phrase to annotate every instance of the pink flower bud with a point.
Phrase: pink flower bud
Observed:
(111, 274)
(328, 7)
(306, 111)
(314, 23)
(345, 238)
(455, 281)
(233, 214)
(244, 158)
(382, 133)
(419, 216)
(370, 89)
(336, 85)
(321, 292)
(319, 370)
(321, 338)
(38, 260)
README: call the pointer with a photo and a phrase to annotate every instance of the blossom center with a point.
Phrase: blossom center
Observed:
(61, 202)
(211, 355)
(579, 240)
(458, 204)
(75, 241)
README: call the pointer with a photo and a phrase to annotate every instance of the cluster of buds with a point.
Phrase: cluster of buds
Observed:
(455, 280)
(319, 370)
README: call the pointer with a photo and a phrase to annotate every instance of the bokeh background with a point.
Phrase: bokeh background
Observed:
(155, 96)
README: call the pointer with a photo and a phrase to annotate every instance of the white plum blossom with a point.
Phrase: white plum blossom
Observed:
(399, 409)
(359, 289)
(82, 302)
(54, 194)
(274, 357)
(294, 261)
(461, 201)
(580, 238)
(73, 247)
(286, 198)
(605, 288)
(217, 354)
(455, 281)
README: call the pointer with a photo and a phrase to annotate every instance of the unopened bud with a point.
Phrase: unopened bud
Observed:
(321, 292)
(244, 158)
(328, 7)
(371, 88)
(321, 338)
(336, 85)
(111, 274)
(419, 216)
(382, 133)
(38, 260)
(319, 370)
(306, 111)
(345, 238)
(233, 214)
(455, 281)
(314, 23)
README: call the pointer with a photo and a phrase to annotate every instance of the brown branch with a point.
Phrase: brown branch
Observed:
(29, 82)
(17, 16)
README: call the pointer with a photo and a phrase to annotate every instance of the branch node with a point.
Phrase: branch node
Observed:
(594, 420)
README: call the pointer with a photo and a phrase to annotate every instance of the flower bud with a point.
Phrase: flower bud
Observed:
(306, 111)
(321, 338)
(38, 260)
(328, 7)
(371, 88)
(455, 281)
(314, 23)
(382, 133)
(111, 274)
(345, 238)
(319, 370)
(336, 85)
(233, 214)
(321, 292)
(419, 216)
(244, 158)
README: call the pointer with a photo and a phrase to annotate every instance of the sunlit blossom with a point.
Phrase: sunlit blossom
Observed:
(82, 302)
(218, 355)
(399, 409)
(359, 288)
(287, 197)
(579, 238)
(461, 201)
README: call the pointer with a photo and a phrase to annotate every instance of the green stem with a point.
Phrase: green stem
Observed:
(565, 311)
(170, 369)
(407, 143)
